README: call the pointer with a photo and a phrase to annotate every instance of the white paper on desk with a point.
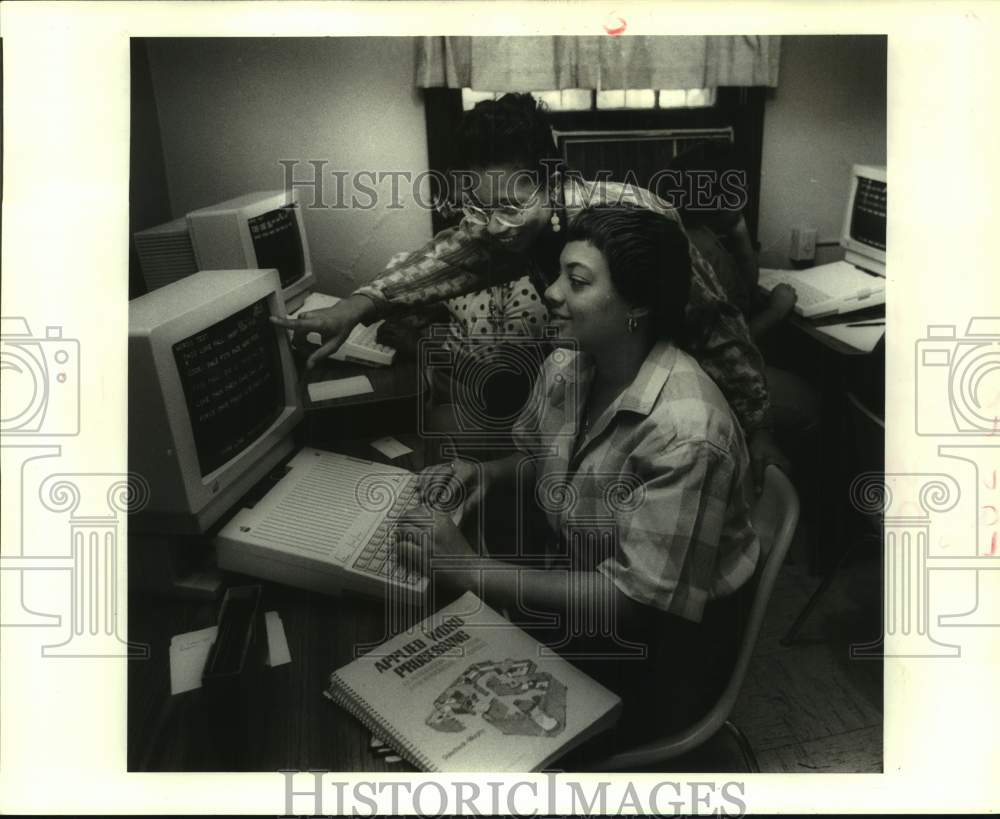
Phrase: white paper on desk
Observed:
(189, 653)
(277, 643)
(340, 388)
(861, 338)
(391, 448)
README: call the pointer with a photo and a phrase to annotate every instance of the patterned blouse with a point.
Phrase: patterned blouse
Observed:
(460, 260)
(654, 495)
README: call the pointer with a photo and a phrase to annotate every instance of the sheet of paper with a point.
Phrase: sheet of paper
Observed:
(277, 643)
(316, 301)
(340, 388)
(390, 447)
(188, 653)
(861, 338)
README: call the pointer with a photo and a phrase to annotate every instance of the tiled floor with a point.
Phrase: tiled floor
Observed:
(810, 707)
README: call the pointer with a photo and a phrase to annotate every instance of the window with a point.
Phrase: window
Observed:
(733, 113)
(690, 98)
(626, 99)
(583, 99)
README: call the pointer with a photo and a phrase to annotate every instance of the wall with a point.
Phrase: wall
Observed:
(229, 109)
(148, 200)
(827, 113)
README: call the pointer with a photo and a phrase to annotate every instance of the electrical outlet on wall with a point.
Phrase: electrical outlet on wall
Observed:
(802, 247)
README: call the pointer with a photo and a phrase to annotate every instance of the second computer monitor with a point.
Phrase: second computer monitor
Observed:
(864, 228)
(259, 230)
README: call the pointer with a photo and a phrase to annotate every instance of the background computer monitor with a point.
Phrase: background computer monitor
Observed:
(863, 233)
(212, 394)
(259, 230)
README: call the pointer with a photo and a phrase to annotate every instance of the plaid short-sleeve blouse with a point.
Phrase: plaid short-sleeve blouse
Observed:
(661, 476)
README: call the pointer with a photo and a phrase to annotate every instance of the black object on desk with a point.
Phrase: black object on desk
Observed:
(240, 646)
(232, 678)
(391, 407)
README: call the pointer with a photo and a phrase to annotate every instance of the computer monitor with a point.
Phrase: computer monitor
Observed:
(863, 233)
(259, 230)
(212, 394)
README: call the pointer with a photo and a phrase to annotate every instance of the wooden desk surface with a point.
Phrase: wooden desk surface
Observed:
(811, 327)
(288, 723)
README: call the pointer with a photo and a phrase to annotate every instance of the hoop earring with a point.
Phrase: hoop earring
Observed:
(556, 224)
(632, 324)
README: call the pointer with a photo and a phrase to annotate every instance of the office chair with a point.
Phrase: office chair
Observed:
(867, 431)
(775, 515)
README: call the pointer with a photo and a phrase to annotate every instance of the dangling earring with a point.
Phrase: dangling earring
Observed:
(554, 221)
(632, 324)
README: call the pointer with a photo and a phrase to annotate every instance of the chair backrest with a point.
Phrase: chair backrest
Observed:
(775, 514)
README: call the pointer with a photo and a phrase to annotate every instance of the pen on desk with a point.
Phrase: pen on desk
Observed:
(868, 324)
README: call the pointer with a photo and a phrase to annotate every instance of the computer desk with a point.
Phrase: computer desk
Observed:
(287, 723)
(833, 369)
(392, 406)
(811, 327)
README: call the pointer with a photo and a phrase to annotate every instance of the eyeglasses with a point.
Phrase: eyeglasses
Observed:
(510, 216)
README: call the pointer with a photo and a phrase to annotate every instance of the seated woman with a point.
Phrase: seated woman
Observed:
(641, 470)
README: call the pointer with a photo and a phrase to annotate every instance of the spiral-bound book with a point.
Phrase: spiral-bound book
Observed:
(465, 690)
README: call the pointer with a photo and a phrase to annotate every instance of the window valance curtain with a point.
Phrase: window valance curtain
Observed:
(603, 63)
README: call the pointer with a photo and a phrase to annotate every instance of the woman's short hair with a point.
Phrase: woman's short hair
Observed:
(649, 258)
(513, 131)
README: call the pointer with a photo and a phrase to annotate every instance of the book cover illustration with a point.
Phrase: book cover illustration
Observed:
(511, 695)
(467, 690)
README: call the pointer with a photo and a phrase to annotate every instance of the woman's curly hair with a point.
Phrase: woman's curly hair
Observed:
(513, 131)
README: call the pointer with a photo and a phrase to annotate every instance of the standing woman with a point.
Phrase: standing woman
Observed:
(517, 208)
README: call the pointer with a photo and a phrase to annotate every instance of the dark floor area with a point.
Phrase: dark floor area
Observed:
(810, 707)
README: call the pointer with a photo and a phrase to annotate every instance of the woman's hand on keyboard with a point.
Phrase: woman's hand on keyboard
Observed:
(446, 487)
(334, 325)
(422, 535)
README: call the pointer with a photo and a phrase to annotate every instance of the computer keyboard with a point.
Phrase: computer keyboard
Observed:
(378, 556)
(326, 527)
(807, 295)
(365, 335)
(361, 346)
(837, 287)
